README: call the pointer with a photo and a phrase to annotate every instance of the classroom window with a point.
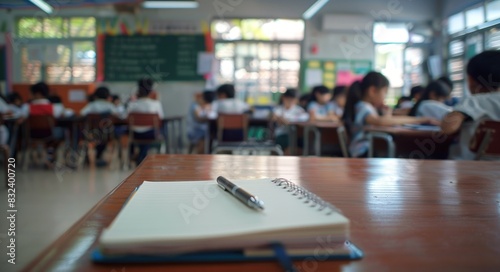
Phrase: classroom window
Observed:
(474, 17)
(56, 49)
(390, 33)
(493, 38)
(456, 23)
(258, 55)
(493, 10)
(258, 29)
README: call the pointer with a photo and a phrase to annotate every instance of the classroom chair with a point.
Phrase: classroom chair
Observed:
(486, 140)
(232, 132)
(145, 120)
(99, 130)
(391, 146)
(344, 141)
(38, 133)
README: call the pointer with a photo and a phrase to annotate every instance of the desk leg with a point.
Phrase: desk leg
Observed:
(292, 139)
(167, 137)
(305, 152)
(181, 142)
(317, 141)
(207, 141)
(13, 140)
(74, 127)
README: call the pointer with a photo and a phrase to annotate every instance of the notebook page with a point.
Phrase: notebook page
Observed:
(183, 211)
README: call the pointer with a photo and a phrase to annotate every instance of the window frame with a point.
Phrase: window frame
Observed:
(278, 43)
(69, 41)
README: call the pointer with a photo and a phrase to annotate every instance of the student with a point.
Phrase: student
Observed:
(101, 103)
(415, 94)
(41, 105)
(339, 99)
(363, 99)
(289, 111)
(227, 103)
(319, 107)
(120, 108)
(4, 132)
(144, 104)
(483, 73)
(199, 110)
(403, 100)
(304, 100)
(431, 104)
(15, 104)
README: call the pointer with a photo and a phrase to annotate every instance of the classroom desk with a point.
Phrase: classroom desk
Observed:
(406, 215)
(212, 129)
(416, 144)
(171, 130)
(316, 127)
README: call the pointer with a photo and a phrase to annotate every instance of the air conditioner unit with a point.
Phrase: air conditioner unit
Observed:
(346, 23)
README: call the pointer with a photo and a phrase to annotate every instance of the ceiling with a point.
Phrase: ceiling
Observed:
(422, 10)
(59, 3)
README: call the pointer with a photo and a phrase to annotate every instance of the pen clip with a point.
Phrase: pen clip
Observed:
(221, 186)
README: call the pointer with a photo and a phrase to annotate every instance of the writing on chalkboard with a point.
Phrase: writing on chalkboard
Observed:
(162, 57)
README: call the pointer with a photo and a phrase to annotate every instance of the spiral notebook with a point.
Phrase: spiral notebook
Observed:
(190, 221)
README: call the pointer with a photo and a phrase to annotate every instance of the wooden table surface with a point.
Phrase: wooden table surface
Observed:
(403, 131)
(406, 215)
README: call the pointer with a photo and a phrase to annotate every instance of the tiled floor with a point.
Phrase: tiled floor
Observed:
(48, 203)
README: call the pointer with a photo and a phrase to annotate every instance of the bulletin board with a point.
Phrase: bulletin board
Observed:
(332, 73)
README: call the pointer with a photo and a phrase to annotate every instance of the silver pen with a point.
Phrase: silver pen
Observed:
(242, 195)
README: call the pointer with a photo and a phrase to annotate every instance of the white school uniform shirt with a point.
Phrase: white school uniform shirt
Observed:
(320, 110)
(293, 114)
(99, 106)
(477, 107)
(57, 109)
(230, 106)
(359, 144)
(338, 110)
(433, 109)
(145, 105)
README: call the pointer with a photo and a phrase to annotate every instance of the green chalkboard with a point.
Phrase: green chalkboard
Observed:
(161, 57)
(3, 63)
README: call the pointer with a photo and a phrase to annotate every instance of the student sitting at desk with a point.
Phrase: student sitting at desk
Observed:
(15, 104)
(319, 107)
(144, 104)
(41, 105)
(289, 111)
(226, 101)
(483, 73)
(431, 104)
(363, 99)
(100, 105)
(200, 109)
(339, 99)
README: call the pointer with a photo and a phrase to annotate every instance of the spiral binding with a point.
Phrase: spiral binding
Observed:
(306, 195)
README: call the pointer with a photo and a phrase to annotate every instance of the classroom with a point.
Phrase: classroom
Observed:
(360, 135)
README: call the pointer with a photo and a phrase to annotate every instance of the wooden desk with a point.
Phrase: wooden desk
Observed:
(405, 214)
(317, 128)
(416, 144)
(212, 129)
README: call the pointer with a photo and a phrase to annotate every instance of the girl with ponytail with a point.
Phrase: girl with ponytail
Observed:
(363, 99)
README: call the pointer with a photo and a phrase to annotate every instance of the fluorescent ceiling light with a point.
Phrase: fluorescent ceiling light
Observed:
(170, 4)
(43, 5)
(314, 9)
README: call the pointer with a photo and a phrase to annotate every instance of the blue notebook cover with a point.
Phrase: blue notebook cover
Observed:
(215, 256)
